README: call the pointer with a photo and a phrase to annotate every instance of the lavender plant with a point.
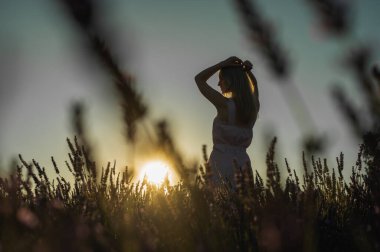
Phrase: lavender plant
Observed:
(112, 213)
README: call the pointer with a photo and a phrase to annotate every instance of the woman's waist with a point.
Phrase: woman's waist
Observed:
(232, 138)
(229, 147)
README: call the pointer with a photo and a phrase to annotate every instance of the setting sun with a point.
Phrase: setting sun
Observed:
(155, 172)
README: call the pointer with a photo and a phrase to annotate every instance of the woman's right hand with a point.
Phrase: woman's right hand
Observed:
(247, 65)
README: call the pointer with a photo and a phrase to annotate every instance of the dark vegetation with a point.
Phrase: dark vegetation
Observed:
(103, 210)
(318, 211)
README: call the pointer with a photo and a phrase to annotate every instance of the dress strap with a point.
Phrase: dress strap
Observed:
(231, 111)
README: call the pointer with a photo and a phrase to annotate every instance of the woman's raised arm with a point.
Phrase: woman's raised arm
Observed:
(211, 94)
(254, 82)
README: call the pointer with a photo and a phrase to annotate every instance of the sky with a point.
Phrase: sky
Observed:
(165, 44)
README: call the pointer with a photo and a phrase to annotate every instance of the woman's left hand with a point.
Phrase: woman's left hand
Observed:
(232, 61)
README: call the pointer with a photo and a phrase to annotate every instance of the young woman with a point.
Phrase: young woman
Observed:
(237, 107)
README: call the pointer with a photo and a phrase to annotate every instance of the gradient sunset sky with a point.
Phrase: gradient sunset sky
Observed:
(165, 44)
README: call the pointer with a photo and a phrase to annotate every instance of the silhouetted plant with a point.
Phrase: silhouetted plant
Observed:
(84, 13)
(262, 35)
(106, 211)
(113, 213)
(334, 15)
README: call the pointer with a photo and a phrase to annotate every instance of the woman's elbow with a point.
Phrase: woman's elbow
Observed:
(197, 79)
(199, 82)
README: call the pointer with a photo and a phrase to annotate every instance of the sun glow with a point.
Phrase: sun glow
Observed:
(156, 172)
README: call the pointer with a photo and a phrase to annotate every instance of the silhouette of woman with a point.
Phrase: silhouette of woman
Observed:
(237, 107)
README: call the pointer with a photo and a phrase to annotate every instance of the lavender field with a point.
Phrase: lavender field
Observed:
(83, 204)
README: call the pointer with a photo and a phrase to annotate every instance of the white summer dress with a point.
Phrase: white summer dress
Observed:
(230, 142)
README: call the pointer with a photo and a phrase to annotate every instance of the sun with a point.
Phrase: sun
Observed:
(155, 172)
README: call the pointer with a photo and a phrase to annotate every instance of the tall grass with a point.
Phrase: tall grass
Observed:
(104, 210)
(316, 211)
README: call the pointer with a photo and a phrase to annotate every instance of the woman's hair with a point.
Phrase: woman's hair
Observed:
(242, 87)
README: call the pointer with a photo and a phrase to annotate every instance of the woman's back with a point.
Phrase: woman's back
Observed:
(230, 144)
(229, 131)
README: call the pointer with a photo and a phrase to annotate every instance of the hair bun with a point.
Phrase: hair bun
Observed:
(247, 65)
